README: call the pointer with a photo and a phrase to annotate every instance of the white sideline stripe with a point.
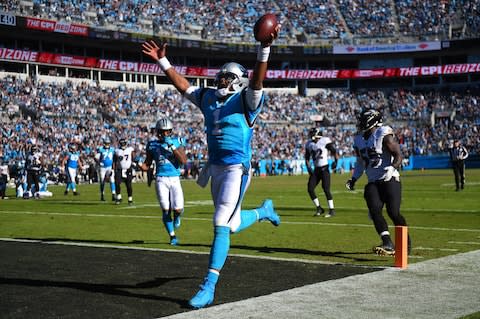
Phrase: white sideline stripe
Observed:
(113, 215)
(464, 242)
(467, 183)
(431, 248)
(82, 244)
(440, 288)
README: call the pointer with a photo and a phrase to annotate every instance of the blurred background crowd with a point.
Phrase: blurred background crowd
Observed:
(54, 114)
(303, 21)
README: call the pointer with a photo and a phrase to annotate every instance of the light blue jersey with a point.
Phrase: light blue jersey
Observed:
(229, 126)
(106, 156)
(72, 159)
(165, 161)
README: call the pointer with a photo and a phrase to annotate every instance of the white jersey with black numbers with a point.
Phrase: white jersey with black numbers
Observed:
(318, 151)
(375, 157)
(125, 156)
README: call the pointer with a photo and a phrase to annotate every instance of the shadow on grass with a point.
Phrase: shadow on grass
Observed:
(351, 256)
(70, 240)
(110, 289)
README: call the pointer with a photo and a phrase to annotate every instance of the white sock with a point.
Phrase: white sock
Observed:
(330, 204)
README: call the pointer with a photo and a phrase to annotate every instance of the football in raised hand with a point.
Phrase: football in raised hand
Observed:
(264, 27)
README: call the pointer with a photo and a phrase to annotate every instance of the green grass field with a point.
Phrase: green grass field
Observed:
(441, 221)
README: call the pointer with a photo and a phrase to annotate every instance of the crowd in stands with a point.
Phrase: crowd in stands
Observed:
(368, 18)
(232, 20)
(53, 115)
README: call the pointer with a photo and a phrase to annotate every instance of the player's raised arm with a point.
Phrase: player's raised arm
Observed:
(158, 54)
(262, 60)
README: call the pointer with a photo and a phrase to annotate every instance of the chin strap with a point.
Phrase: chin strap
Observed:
(223, 92)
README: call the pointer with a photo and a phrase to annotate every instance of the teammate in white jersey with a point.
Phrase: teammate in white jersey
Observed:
(379, 156)
(168, 154)
(318, 149)
(122, 166)
(229, 112)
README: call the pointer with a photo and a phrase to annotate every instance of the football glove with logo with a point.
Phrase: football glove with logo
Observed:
(350, 184)
(390, 172)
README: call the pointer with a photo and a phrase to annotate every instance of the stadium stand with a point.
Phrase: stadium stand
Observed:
(53, 114)
(57, 108)
(342, 20)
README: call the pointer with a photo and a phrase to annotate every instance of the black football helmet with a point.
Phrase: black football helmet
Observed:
(369, 118)
(315, 133)
(122, 142)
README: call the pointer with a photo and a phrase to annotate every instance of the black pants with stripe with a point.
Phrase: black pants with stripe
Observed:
(459, 172)
(389, 194)
(128, 181)
(320, 174)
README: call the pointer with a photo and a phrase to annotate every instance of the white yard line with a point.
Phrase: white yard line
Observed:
(114, 215)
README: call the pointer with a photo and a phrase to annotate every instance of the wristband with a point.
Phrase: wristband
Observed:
(263, 53)
(164, 64)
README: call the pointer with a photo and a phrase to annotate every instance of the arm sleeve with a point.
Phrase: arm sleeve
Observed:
(253, 98)
(331, 148)
(192, 94)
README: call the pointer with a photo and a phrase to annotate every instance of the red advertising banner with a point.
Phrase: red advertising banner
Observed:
(18, 55)
(151, 68)
(54, 26)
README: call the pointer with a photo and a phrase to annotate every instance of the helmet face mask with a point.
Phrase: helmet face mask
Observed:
(123, 143)
(163, 127)
(369, 119)
(315, 133)
(106, 142)
(233, 77)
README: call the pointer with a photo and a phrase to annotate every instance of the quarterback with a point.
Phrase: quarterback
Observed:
(230, 111)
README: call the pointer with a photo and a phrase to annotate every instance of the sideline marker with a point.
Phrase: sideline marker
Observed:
(401, 246)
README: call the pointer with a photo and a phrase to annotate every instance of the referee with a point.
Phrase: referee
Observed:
(458, 154)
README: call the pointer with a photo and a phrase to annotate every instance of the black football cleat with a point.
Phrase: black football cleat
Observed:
(330, 213)
(384, 250)
(319, 212)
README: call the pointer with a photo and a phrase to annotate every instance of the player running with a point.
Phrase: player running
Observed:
(169, 155)
(378, 154)
(104, 157)
(72, 163)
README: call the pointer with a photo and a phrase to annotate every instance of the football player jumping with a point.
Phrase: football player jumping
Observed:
(379, 156)
(230, 111)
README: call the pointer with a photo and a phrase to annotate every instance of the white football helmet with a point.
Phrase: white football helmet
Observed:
(106, 142)
(163, 124)
(236, 75)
